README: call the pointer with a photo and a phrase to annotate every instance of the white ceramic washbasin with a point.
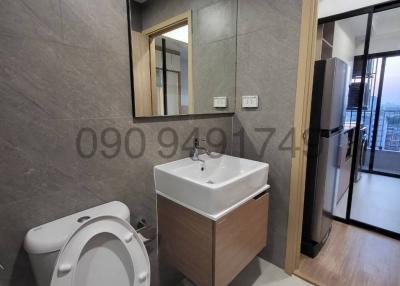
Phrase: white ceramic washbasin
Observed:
(225, 183)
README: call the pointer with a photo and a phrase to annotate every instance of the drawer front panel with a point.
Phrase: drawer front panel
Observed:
(239, 237)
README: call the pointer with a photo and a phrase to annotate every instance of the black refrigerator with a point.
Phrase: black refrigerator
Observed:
(326, 127)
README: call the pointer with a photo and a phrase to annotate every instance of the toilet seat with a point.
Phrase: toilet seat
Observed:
(101, 232)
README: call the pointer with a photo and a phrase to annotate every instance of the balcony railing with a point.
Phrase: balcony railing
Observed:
(388, 137)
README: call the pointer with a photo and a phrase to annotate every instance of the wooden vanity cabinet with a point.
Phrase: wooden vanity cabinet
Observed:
(212, 252)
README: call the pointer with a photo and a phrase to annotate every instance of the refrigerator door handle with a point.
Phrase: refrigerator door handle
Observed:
(341, 153)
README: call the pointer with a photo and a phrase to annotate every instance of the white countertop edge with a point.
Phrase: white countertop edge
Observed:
(217, 216)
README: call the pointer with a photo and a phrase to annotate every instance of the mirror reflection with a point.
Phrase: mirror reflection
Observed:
(171, 64)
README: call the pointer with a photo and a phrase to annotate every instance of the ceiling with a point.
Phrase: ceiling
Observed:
(355, 26)
(333, 7)
(386, 22)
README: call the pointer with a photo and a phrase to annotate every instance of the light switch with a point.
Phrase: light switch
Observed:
(220, 102)
(250, 101)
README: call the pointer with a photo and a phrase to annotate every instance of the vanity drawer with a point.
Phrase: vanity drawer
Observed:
(212, 252)
(185, 240)
(239, 237)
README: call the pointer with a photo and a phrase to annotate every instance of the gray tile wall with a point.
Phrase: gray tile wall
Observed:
(64, 66)
(268, 42)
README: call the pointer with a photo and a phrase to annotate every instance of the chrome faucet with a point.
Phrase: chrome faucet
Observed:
(196, 150)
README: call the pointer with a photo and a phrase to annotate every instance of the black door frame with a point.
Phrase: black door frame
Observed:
(377, 115)
(370, 10)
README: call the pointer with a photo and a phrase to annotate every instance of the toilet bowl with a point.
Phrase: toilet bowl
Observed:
(96, 247)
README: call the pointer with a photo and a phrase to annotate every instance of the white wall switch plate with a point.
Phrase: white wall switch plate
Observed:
(250, 101)
(220, 102)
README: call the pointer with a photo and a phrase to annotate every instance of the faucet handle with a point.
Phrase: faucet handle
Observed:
(197, 141)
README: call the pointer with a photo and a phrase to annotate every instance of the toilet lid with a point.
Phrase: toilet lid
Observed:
(103, 251)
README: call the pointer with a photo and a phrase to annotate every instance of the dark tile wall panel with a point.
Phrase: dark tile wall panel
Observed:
(64, 66)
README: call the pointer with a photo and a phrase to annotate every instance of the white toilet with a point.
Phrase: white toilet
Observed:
(95, 247)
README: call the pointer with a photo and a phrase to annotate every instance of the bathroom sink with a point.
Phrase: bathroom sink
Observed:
(213, 188)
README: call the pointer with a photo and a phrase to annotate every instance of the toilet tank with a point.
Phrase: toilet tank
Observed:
(44, 242)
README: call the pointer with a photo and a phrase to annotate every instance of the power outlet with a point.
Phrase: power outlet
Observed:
(250, 101)
(220, 102)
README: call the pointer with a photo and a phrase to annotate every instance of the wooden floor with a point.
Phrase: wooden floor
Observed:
(354, 256)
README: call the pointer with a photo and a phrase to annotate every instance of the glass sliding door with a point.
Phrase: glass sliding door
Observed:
(375, 193)
(347, 45)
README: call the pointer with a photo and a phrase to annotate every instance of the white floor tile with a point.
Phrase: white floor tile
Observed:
(260, 272)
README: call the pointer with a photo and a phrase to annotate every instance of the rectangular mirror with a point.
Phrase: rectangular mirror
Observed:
(183, 56)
